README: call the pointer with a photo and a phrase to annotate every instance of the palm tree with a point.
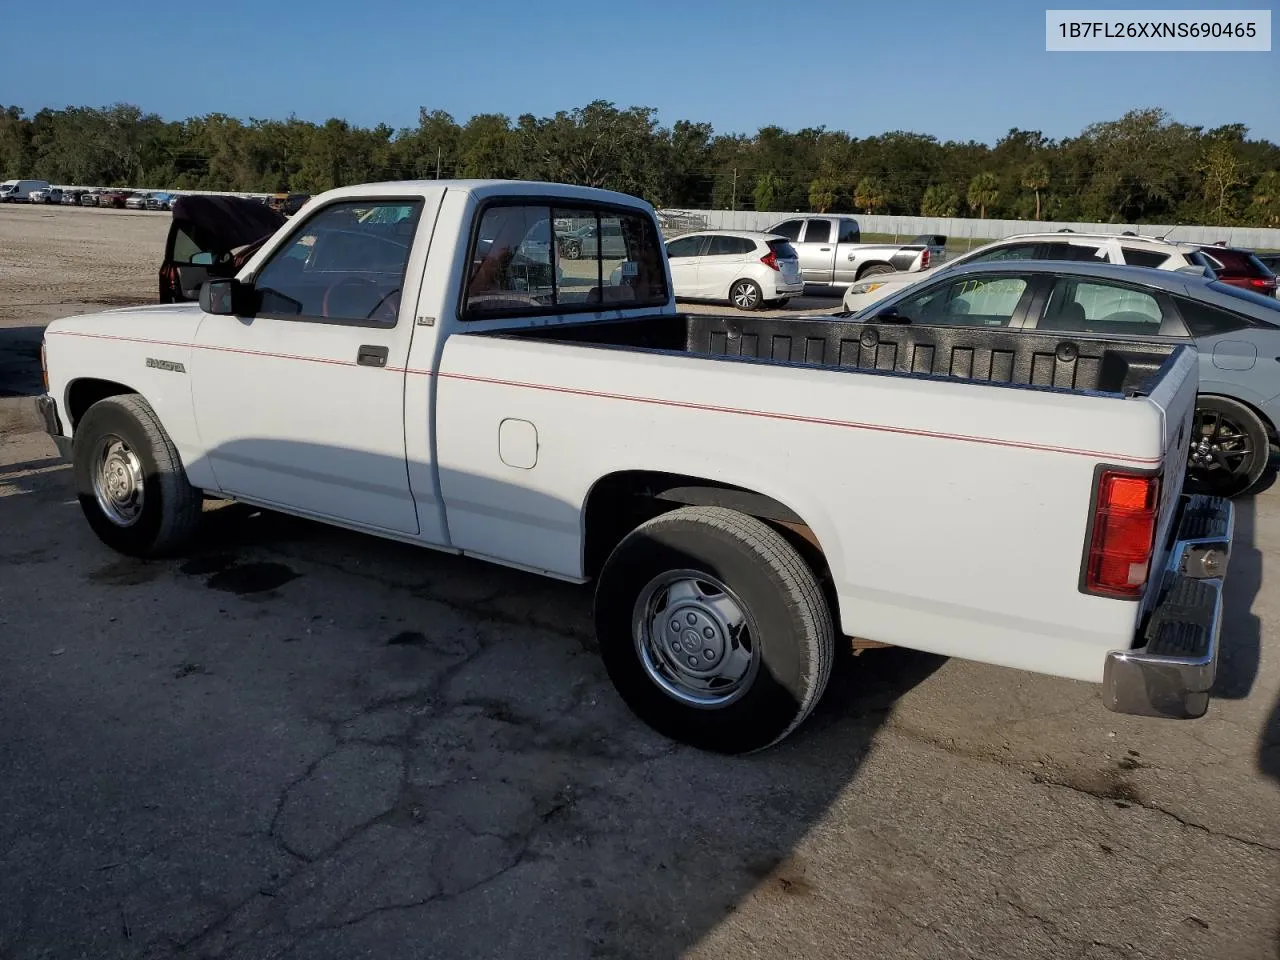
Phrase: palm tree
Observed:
(766, 191)
(940, 200)
(984, 191)
(870, 194)
(822, 194)
(1036, 177)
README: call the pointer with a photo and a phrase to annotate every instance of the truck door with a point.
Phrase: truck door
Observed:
(817, 250)
(848, 239)
(301, 403)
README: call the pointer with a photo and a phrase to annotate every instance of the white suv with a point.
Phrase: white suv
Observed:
(1064, 245)
(747, 269)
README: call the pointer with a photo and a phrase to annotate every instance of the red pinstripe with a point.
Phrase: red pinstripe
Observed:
(654, 401)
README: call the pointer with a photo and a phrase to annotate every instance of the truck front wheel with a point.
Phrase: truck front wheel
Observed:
(713, 629)
(130, 481)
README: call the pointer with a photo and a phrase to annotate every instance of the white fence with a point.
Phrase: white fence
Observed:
(959, 228)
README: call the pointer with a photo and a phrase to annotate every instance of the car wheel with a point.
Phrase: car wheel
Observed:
(1229, 448)
(875, 270)
(130, 481)
(572, 251)
(713, 629)
(746, 295)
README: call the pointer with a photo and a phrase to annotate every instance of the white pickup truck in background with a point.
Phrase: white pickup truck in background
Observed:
(406, 359)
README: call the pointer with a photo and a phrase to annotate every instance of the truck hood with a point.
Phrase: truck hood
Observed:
(166, 322)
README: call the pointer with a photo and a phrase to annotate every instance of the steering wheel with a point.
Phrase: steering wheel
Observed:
(352, 284)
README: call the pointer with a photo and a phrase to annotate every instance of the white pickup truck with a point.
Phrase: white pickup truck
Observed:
(408, 359)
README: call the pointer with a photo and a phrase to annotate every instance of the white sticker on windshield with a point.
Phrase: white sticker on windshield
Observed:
(630, 268)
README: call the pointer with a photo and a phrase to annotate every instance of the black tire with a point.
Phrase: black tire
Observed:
(786, 621)
(1230, 448)
(572, 250)
(170, 508)
(746, 295)
(875, 270)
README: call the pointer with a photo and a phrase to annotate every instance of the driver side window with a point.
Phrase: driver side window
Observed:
(972, 302)
(346, 264)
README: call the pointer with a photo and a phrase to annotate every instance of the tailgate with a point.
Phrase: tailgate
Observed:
(1175, 395)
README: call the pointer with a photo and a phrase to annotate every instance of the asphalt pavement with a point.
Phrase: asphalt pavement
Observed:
(300, 742)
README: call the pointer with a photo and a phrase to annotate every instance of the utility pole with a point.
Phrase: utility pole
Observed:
(733, 204)
(438, 149)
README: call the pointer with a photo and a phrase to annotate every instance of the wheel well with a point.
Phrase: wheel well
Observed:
(84, 393)
(873, 263)
(1267, 425)
(622, 501)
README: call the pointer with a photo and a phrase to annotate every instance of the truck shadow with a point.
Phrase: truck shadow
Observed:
(1240, 641)
(599, 825)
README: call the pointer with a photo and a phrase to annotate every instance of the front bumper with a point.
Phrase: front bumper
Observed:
(1172, 671)
(48, 408)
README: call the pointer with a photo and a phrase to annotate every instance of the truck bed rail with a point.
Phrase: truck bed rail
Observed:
(993, 355)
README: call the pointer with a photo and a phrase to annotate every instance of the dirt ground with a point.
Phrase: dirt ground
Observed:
(297, 742)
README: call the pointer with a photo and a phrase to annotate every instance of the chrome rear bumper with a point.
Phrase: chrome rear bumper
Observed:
(1170, 673)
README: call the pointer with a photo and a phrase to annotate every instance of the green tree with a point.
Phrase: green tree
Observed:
(1222, 174)
(822, 194)
(766, 191)
(1035, 177)
(1265, 207)
(870, 194)
(940, 200)
(984, 192)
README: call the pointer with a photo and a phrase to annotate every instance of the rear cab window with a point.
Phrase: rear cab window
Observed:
(543, 257)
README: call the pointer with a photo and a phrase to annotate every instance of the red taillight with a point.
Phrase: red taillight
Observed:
(44, 368)
(770, 260)
(1124, 526)
(924, 259)
(1261, 283)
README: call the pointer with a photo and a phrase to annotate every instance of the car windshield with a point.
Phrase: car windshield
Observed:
(1261, 300)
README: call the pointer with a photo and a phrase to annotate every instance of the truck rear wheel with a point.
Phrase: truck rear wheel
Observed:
(875, 270)
(130, 481)
(713, 629)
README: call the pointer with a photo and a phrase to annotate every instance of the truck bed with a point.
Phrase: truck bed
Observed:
(997, 356)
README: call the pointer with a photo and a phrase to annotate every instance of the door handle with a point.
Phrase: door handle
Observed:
(371, 356)
(824, 249)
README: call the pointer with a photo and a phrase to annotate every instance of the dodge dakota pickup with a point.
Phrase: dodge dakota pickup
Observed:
(403, 359)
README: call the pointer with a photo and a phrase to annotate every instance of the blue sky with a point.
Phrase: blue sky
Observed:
(952, 69)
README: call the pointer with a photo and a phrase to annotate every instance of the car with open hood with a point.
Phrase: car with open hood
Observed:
(210, 237)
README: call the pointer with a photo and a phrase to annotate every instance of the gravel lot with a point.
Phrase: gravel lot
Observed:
(299, 742)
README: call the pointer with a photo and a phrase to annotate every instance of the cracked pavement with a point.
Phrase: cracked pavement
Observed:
(298, 742)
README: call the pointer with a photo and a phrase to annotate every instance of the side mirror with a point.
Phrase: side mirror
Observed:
(226, 297)
(889, 315)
